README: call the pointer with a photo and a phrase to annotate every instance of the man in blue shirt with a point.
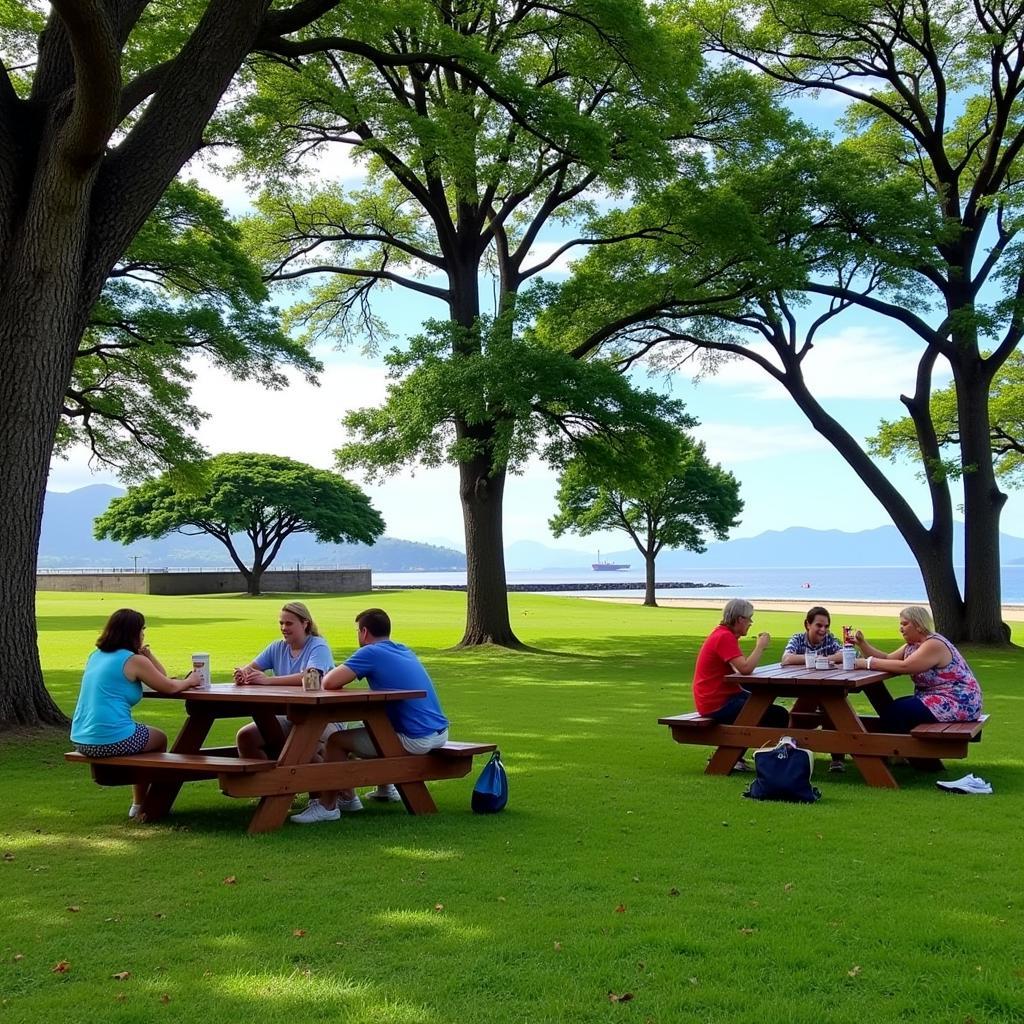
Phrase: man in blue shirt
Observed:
(419, 722)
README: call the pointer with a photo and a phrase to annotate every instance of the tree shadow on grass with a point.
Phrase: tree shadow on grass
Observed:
(94, 623)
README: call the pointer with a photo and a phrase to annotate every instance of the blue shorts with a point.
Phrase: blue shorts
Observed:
(134, 744)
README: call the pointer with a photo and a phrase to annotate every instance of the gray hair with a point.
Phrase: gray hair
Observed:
(736, 609)
(918, 616)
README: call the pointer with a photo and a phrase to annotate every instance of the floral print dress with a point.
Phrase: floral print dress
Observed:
(951, 693)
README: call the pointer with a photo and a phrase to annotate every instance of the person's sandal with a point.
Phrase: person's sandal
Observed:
(836, 767)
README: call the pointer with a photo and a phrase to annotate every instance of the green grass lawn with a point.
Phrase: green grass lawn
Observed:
(618, 867)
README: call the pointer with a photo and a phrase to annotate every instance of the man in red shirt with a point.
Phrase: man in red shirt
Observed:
(719, 655)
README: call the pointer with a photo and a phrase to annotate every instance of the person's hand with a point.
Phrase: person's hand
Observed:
(240, 675)
(254, 676)
(858, 637)
(194, 679)
(763, 639)
(146, 652)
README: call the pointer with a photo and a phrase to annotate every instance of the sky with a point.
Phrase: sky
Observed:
(789, 475)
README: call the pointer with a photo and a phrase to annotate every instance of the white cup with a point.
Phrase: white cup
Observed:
(849, 657)
(809, 657)
(821, 663)
(201, 664)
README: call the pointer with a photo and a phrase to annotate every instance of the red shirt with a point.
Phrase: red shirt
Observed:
(710, 690)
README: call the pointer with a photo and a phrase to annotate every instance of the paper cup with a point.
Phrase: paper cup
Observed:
(809, 659)
(821, 663)
(849, 657)
(201, 664)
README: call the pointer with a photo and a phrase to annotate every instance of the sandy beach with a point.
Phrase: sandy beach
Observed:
(1011, 612)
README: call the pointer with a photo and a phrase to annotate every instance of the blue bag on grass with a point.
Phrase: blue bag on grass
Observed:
(490, 794)
(783, 773)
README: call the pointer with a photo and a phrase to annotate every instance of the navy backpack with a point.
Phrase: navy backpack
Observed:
(783, 773)
(490, 794)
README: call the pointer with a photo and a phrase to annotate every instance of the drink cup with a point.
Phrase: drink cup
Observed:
(821, 663)
(312, 679)
(809, 659)
(849, 657)
(201, 664)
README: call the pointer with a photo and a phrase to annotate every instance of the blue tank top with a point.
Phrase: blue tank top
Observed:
(104, 710)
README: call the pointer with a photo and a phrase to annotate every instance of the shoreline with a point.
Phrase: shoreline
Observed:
(1011, 612)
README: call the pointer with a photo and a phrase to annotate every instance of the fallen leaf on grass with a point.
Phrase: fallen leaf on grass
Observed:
(747, 931)
(121, 997)
(74, 910)
(439, 907)
(621, 908)
(673, 891)
(230, 880)
(61, 967)
(788, 887)
(558, 947)
(121, 976)
(19, 956)
(614, 997)
(299, 933)
(854, 971)
(8, 856)
(694, 981)
(165, 998)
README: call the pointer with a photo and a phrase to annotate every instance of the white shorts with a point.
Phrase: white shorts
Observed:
(360, 744)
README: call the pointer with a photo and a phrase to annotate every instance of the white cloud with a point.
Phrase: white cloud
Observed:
(729, 443)
(857, 363)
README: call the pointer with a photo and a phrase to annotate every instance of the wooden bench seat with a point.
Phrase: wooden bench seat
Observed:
(693, 720)
(127, 769)
(950, 730)
(454, 748)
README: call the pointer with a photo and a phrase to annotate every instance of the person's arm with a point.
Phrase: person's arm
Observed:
(870, 651)
(790, 656)
(147, 652)
(142, 669)
(338, 677)
(747, 665)
(931, 654)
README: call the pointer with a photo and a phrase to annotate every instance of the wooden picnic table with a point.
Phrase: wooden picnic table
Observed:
(822, 719)
(295, 770)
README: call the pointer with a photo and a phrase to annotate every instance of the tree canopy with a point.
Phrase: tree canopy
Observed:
(185, 293)
(521, 117)
(673, 497)
(912, 216)
(266, 498)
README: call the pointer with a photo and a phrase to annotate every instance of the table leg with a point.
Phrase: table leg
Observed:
(298, 749)
(724, 759)
(872, 767)
(160, 796)
(415, 795)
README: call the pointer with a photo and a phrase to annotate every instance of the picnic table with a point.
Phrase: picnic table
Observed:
(295, 769)
(823, 719)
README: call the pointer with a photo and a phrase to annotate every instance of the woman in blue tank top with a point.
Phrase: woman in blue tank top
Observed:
(112, 685)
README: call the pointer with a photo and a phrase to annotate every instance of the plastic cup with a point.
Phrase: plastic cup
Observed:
(821, 663)
(849, 657)
(809, 659)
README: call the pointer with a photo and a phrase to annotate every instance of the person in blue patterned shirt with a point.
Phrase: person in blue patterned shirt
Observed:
(816, 639)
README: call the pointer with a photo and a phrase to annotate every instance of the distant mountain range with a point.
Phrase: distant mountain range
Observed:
(796, 546)
(67, 541)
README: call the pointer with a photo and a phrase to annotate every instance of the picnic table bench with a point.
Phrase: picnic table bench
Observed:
(295, 770)
(824, 720)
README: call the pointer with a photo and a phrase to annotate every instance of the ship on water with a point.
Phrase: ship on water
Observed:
(600, 566)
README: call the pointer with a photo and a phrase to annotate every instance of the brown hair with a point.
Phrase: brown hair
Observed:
(375, 621)
(814, 613)
(123, 631)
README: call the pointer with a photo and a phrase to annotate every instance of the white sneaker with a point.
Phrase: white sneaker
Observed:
(386, 793)
(316, 812)
(349, 806)
(969, 784)
(135, 810)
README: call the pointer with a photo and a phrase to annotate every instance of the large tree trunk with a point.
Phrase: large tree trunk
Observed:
(983, 504)
(487, 619)
(39, 335)
(649, 560)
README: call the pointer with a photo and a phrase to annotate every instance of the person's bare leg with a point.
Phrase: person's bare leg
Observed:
(249, 741)
(338, 748)
(156, 744)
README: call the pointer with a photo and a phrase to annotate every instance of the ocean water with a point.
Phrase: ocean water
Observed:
(820, 584)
